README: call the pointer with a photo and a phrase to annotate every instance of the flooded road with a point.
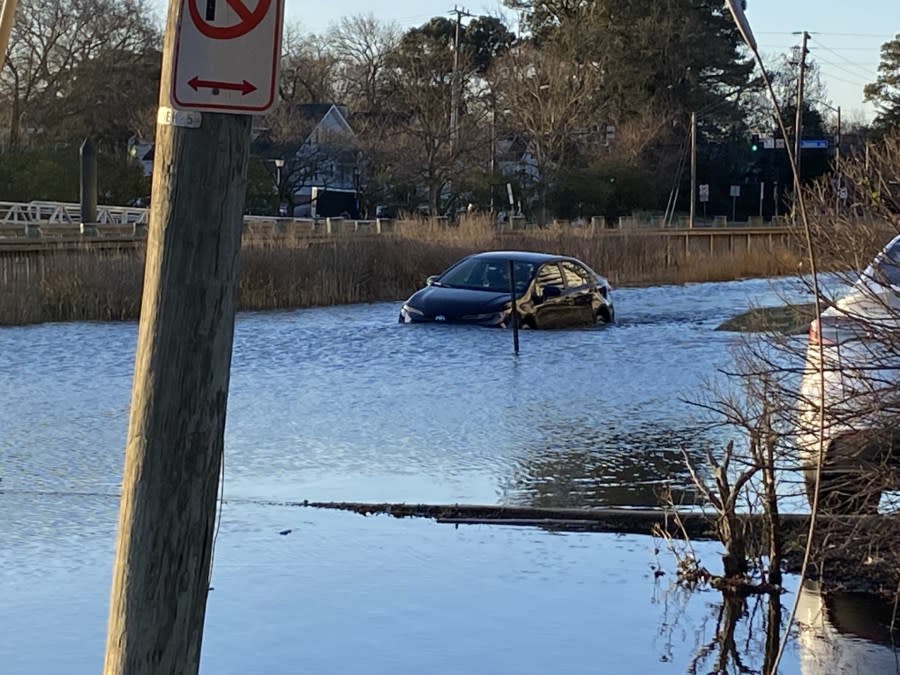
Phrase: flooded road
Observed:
(346, 404)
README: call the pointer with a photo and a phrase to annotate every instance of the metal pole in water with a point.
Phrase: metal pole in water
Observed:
(514, 318)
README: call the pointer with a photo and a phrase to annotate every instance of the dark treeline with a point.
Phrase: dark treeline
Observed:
(585, 112)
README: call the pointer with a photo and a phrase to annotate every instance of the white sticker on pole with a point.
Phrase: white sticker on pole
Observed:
(227, 55)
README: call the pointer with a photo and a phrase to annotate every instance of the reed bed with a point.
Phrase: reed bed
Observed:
(280, 271)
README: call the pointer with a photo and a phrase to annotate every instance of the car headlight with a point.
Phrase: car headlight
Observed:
(409, 314)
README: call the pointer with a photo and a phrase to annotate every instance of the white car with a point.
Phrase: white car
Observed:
(850, 391)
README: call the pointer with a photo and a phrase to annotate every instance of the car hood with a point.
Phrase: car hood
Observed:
(868, 300)
(456, 302)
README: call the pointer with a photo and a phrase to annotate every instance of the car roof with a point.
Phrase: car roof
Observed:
(521, 256)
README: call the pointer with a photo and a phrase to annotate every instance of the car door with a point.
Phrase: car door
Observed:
(579, 293)
(549, 296)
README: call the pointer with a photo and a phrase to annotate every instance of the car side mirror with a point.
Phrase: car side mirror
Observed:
(431, 279)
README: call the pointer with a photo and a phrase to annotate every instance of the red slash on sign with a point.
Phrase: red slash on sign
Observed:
(243, 87)
(248, 19)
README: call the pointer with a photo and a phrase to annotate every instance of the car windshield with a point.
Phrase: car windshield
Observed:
(885, 269)
(487, 275)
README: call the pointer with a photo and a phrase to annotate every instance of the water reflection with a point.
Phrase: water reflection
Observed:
(583, 466)
(843, 632)
(732, 634)
(834, 633)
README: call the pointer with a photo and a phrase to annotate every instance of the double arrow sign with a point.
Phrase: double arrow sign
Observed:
(227, 55)
(244, 87)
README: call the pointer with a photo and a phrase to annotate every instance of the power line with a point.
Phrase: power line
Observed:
(846, 72)
(880, 36)
(855, 83)
(868, 73)
(860, 72)
(840, 49)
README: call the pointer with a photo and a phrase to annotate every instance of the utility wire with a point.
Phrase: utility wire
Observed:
(800, 203)
(828, 49)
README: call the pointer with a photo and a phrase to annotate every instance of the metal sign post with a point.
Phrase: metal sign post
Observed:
(735, 192)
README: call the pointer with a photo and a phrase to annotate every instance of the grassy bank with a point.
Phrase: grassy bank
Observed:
(279, 271)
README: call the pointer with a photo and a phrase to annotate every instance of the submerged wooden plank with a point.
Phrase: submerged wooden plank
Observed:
(693, 524)
(857, 553)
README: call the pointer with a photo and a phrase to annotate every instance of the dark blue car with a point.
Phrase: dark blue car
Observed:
(551, 291)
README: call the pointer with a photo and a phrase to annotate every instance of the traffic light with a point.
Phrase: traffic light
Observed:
(754, 143)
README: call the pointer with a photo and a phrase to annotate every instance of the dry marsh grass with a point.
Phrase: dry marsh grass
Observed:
(280, 271)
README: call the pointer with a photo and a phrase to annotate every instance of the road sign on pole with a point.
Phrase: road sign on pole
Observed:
(814, 143)
(704, 192)
(227, 54)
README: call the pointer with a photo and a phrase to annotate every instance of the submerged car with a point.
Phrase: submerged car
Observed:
(551, 291)
(850, 392)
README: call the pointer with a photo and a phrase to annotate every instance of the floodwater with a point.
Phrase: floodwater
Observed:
(346, 404)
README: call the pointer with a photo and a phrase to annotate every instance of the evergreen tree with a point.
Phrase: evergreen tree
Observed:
(885, 91)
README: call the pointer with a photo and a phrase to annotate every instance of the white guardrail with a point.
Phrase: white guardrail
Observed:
(40, 219)
(62, 213)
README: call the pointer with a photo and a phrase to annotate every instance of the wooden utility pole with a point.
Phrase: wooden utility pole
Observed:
(455, 91)
(837, 162)
(174, 448)
(7, 15)
(693, 208)
(798, 119)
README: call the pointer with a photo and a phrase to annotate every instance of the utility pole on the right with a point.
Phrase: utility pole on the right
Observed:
(798, 119)
(455, 93)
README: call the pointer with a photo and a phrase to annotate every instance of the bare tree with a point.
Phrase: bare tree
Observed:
(362, 45)
(308, 67)
(61, 49)
(550, 101)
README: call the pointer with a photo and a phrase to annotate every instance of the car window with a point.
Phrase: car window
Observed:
(466, 274)
(575, 275)
(886, 267)
(487, 275)
(494, 276)
(549, 275)
(523, 272)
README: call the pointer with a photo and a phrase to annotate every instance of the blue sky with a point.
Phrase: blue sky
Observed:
(845, 37)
